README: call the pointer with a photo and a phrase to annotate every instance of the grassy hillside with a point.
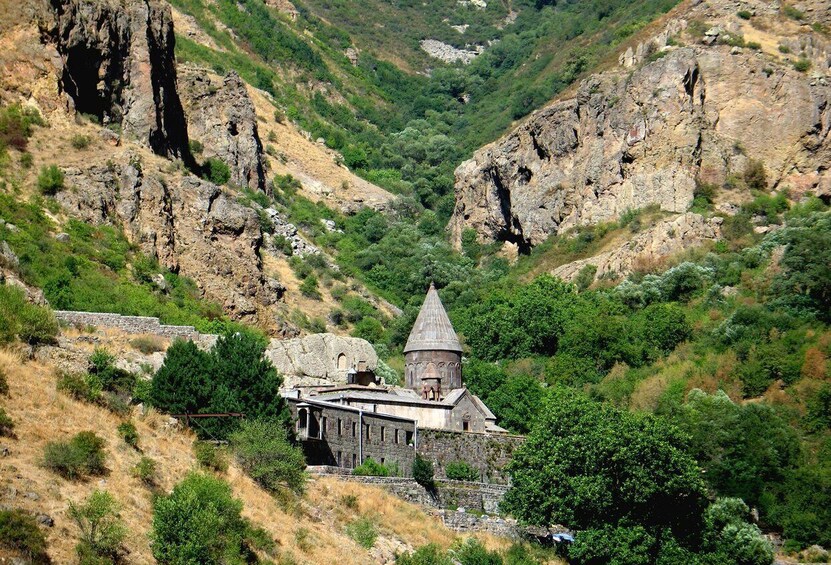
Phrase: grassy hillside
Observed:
(311, 529)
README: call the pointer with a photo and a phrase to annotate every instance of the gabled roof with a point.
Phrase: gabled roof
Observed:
(432, 330)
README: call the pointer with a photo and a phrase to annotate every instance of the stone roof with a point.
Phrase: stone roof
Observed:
(432, 330)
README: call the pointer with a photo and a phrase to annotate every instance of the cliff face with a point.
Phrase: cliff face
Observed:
(118, 65)
(221, 116)
(631, 138)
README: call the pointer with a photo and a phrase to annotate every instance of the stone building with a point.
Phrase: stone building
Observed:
(434, 414)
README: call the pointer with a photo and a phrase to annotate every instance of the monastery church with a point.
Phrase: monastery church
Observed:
(344, 425)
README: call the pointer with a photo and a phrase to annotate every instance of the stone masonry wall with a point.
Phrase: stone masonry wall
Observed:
(489, 454)
(478, 497)
(129, 324)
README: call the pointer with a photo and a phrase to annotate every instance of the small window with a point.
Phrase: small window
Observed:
(368, 432)
(354, 429)
(382, 460)
(323, 429)
(408, 438)
(465, 426)
(382, 433)
(354, 460)
(396, 436)
(339, 458)
(340, 426)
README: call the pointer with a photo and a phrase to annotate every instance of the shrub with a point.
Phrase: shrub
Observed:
(6, 424)
(755, 175)
(264, 451)
(350, 501)
(210, 456)
(81, 455)
(80, 141)
(145, 471)
(196, 147)
(50, 180)
(102, 531)
(363, 531)
(423, 472)
(128, 432)
(199, 522)
(744, 14)
(27, 160)
(371, 468)
(38, 326)
(147, 344)
(784, 49)
(309, 288)
(802, 65)
(16, 123)
(79, 386)
(4, 383)
(792, 12)
(216, 171)
(19, 532)
(461, 471)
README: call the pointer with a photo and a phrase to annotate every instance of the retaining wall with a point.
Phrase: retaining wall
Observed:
(487, 453)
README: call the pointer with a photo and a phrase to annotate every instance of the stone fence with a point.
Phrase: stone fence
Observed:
(477, 497)
(128, 324)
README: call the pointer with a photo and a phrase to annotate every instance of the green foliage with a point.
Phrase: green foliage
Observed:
(371, 468)
(430, 554)
(147, 344)
(145, 471)
(22, 320)
(792, 12)
(199, 522)
(423, 472)
(731, 537)
(461, 471)
(6, 424)
(128, 432)
(581, 466)
(233, 377)
(263, 450)
(210, 456)
(216, 171)
(19, 532)
(802, 65)
(744, 14)
(4, 383)
(82, 455)
(516, 403)
(102, 530)
(309, 287)
(80, 141)
(370, 329)
(363, 531)
(16, 126)
(50, 180)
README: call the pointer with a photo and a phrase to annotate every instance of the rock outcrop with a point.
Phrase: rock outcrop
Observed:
(221, 116)
(320, 359)
(191, 226)
(632, 138)
(118, 65)
(647, 249)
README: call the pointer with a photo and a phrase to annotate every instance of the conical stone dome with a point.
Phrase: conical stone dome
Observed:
(432, 330)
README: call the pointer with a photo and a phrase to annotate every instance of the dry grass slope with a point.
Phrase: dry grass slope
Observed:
(310, 531)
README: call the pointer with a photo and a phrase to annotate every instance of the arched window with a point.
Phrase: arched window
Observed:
(342, 362)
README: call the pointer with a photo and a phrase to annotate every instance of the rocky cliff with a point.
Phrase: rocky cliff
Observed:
(118, 66)
(191, 226)
(221, 117)
(668, 117)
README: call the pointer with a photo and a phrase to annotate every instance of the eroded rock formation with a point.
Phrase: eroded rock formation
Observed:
(118, 65)
(191, 226)
(632, 138)
(320, 359)
(649, 248)
(221, 116)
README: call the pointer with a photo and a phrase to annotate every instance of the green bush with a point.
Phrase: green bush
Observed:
(102, 530)
(50, 180)
(423, 472)
(80, 456)
(371, 468)
(363, 531)
(802, 65)
(199, 522)
(263, 450)
(19, 532)
(461, 471)
(145, 471)
(309, 288)
(755, 175)
(792, 12)
(128, 432)
(744, 14)
(216, 171)
(210, 456)
(16, 123)
(6, 424)
(80, 141)
(4, 383)
(79, 386)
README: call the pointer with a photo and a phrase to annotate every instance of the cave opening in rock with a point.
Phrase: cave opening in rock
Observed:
(81, 75)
